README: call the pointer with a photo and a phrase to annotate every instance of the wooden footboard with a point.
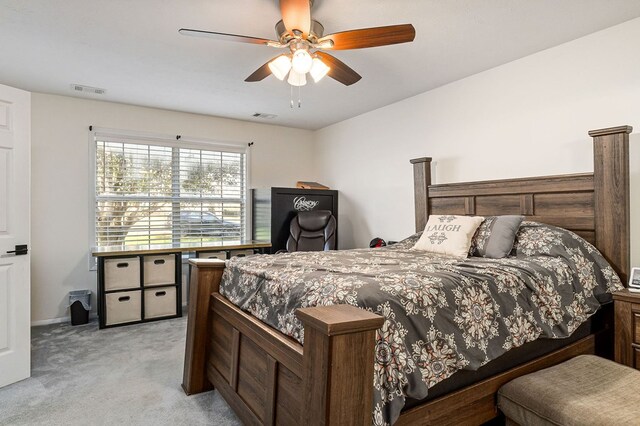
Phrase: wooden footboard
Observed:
(269, 378)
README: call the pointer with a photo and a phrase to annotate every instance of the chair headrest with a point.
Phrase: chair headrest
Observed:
(314, 220)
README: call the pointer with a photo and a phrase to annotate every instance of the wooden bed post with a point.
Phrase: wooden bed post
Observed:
(611, 193)
(205, 279)
(339, 347)
(421, 182)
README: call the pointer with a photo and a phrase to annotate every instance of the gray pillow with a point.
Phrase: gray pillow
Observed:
(495, 236)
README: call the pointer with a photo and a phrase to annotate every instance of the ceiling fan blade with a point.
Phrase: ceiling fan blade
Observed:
(260, 74)
(296, 15)
(223, 36)
(371, 37)
(339, 70)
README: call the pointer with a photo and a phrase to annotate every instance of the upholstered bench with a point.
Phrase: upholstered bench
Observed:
(586, 390)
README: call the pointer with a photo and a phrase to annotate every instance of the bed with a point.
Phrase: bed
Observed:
(269, 377)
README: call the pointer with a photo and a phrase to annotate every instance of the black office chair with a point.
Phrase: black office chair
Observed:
(312, 231)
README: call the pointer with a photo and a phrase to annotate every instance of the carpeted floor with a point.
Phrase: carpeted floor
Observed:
(120, 376)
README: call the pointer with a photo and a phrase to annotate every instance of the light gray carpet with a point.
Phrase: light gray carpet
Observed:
(120, 376)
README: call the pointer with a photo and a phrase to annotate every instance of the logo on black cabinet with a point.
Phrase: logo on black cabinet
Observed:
(303, 205)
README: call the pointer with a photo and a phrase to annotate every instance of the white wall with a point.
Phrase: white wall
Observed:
(526, 118)
(60, 178)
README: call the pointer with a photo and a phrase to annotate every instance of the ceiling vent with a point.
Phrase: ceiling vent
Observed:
(88, 89)
(264, 116)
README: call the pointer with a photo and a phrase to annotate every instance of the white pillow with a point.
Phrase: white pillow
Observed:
(449, 234)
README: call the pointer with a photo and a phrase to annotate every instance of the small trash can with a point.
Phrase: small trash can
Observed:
(80, 305)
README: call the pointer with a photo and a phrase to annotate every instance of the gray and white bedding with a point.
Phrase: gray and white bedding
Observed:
(442, 314)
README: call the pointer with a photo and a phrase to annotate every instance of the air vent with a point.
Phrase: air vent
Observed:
(88, 89)
(264, 116)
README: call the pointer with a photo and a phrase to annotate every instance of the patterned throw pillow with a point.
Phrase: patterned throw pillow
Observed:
(589, 268)
(406, 243)
(495, 236)
(448, 234)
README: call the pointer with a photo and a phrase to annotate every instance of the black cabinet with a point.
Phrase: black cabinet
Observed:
(273, 209)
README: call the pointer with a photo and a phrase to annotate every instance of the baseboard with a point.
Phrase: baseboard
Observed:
(50, 321)
(57, 320)
(68, 319)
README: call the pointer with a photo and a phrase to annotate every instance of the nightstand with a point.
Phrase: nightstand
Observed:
(627, 328)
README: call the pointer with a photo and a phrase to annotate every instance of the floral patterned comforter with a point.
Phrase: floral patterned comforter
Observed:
(441, 314)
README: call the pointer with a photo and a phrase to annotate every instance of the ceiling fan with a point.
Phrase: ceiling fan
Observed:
(305, 39)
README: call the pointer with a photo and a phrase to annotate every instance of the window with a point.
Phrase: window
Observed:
(164, 192)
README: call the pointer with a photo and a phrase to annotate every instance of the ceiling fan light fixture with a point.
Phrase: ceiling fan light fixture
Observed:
(280, 66)
(318, 70)
(297, 79)
(301, 61)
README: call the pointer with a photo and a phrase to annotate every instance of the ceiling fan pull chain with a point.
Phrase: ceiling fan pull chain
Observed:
(299, 100)
(291, 96)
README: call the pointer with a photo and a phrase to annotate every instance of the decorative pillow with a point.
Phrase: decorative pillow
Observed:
(495, 236)
(405, 244)
(449, 234)
(585, 262)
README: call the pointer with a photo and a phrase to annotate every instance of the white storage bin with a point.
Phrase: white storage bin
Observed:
(121, 273)
(159, 269)
(160, 302)
(222, 255)
(123, 307)
(241, 253)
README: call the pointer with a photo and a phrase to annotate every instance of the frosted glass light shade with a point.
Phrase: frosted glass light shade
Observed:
(301, 61)
(297, 79)
(280, 66)
(318, 70)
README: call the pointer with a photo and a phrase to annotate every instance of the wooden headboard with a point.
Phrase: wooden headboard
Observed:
(593, 205)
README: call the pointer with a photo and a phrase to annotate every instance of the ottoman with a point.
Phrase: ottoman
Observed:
(586, 390)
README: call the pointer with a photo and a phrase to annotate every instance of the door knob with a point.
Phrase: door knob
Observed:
(20, 250)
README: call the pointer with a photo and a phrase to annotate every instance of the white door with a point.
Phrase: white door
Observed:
(15, 285)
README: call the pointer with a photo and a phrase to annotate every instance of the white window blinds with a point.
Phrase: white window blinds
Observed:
(159, 192)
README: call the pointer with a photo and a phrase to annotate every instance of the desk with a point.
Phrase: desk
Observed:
(181, 248)
(144, 283)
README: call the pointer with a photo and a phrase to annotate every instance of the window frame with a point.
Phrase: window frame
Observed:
(168, 141)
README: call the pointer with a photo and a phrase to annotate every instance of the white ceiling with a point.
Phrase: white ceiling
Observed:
(132, 49)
